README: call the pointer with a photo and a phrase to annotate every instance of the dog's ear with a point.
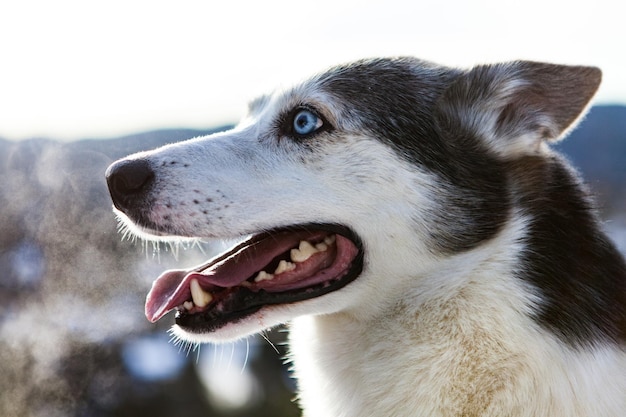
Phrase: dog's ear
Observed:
(516, 106)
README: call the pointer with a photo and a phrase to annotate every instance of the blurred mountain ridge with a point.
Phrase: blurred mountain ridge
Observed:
(597, 147)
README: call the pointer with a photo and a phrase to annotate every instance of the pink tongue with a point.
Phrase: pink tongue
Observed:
(168, 291)
(171, 289)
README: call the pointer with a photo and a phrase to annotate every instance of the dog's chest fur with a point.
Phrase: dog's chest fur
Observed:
(467, 354)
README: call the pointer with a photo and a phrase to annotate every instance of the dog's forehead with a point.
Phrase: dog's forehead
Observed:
(365, 75)
(272, 106)
(363, 86)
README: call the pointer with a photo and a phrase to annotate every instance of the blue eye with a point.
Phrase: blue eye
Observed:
(306, 122)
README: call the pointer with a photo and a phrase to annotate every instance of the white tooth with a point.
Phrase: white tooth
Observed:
(329, 240)
(304, 252)
(188, 305)
(263, 276)
(200, 297)
(321, 247)
(284, 266)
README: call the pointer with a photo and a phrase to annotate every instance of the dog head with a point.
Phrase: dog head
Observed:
(351, 185)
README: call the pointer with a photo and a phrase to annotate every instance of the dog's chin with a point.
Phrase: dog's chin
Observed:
(267, 317)
(266, 280)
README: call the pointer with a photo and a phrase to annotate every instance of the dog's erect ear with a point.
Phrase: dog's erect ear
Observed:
(515, 106)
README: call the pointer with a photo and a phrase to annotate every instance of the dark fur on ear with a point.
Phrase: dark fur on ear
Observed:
(515, 106)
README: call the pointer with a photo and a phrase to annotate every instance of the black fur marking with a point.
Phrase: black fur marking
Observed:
(396, 99)
(580, 274)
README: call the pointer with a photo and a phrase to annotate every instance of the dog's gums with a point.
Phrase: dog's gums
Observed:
(282, 266)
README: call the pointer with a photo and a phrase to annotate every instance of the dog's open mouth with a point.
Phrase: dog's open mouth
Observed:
(278, 267)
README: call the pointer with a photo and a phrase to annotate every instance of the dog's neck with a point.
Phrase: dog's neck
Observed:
(443, 337)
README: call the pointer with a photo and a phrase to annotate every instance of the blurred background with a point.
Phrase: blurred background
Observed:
(84, 83)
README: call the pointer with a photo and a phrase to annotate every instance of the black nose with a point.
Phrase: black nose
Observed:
(129, 181)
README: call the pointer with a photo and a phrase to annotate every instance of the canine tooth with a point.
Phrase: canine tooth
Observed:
(263, 276)
(284, 266)
(200, 297)
(188, 305)
(329, 240)
(304, 252)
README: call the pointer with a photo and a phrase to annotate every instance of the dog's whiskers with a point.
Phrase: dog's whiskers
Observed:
(184, 345)
(264, 336)
(245, 360)
(154, 245)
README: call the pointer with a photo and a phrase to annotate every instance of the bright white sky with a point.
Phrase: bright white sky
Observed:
(76, 68)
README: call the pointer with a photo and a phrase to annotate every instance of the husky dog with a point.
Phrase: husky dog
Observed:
(434, 256)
